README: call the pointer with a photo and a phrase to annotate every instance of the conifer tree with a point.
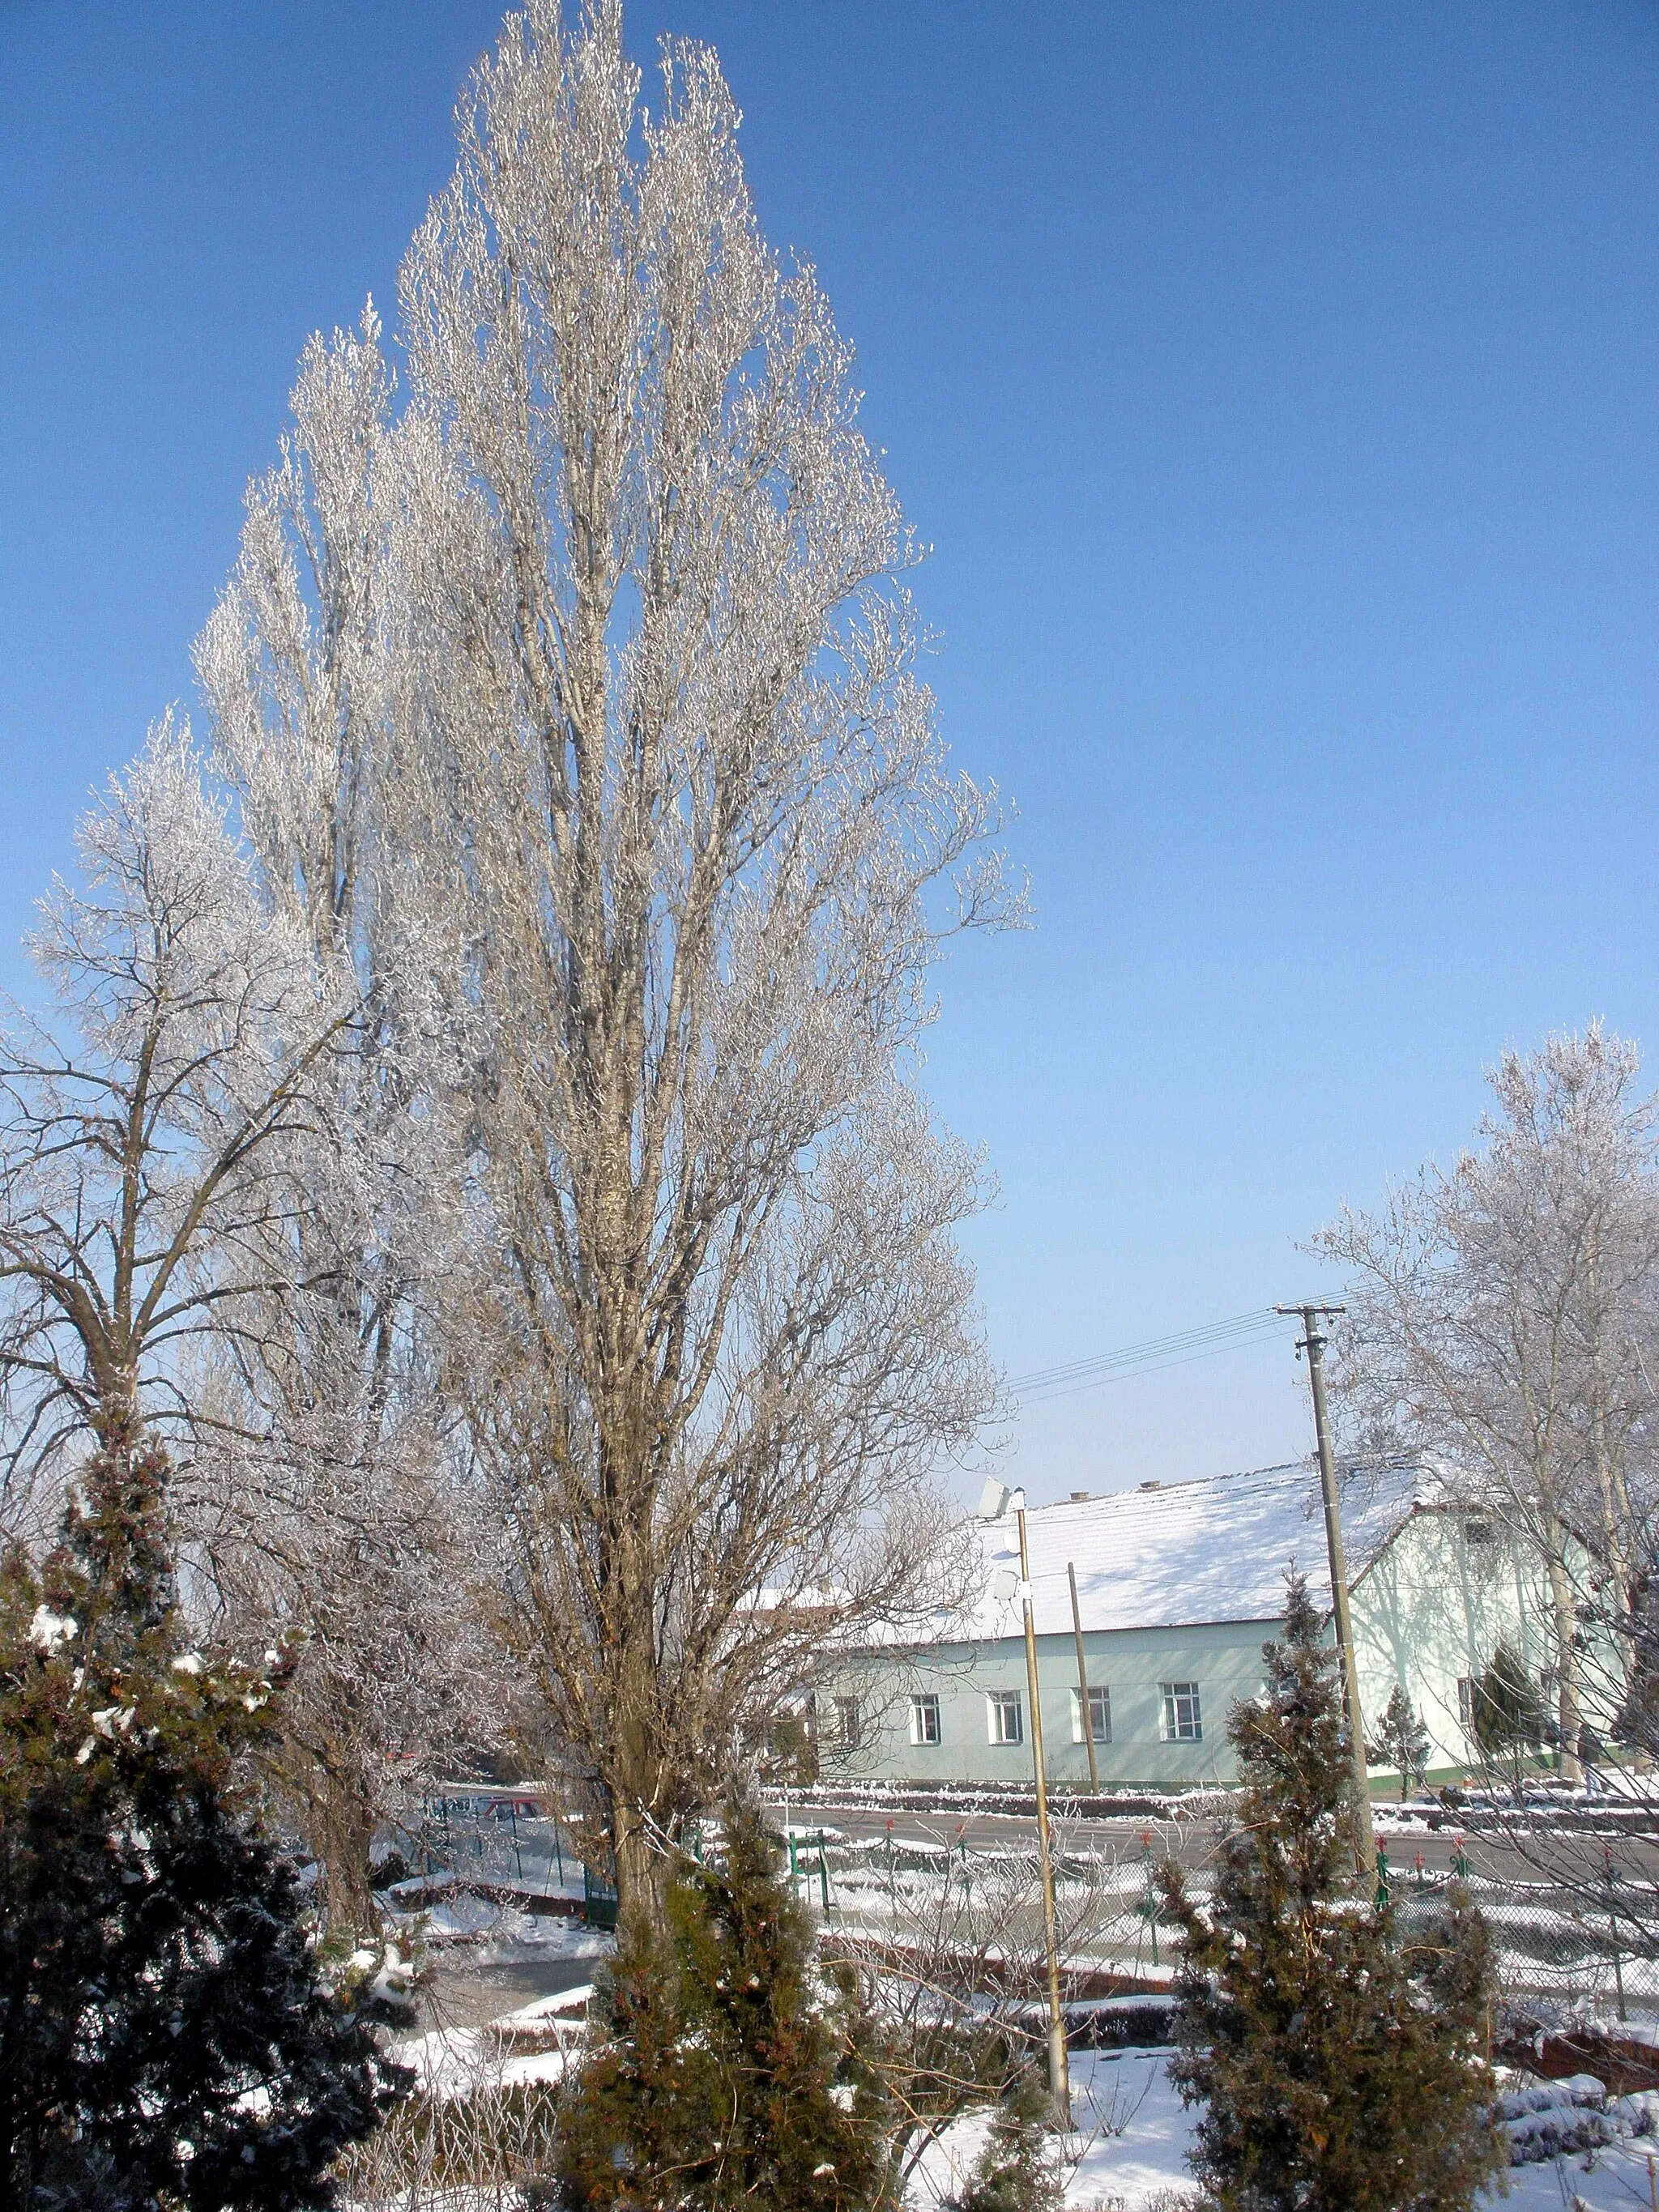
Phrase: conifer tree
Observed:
(164, 2040)
(1402, 1741)
(1017, 2169)
(1342, 2068)
(735, 2072)
(1507, 1713)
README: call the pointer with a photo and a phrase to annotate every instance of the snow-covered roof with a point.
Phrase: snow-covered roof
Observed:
(1178, 1553)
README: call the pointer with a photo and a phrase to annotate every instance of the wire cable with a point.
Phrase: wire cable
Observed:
(1148, 1357)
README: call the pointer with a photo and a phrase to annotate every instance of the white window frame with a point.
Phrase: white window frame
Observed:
(925, 1727)
(1099, 1713)
(1465, 1701)
(1002, 1706)
(848, 1734)
(1183, 1717)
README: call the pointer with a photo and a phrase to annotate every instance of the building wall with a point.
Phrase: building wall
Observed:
(1224, 1660)
(1431, 1610)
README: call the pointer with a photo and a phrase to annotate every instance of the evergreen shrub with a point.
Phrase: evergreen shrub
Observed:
(164, 2037)
(735, 2069)
(1341, 2068)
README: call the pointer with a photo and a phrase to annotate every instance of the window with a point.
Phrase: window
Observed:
(924, 1719)
(1183, 1718)
(1002, 1716)
(847, 1723)
(1466, 1700)
(1100, 1713)
(1477, 1532)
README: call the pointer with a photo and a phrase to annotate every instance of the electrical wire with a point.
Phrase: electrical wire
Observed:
(1149, 1358)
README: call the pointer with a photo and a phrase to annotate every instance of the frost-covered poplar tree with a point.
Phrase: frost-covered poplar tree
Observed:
(701, 845)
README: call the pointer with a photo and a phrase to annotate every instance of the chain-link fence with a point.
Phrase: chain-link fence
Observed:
(512, 1844)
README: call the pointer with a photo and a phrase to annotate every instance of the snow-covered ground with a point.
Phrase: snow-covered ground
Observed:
(1133, 2133)
(1128, 2149)
(495, 1932)
(529, 2044)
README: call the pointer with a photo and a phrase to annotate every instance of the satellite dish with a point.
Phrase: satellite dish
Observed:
(1005, 1585)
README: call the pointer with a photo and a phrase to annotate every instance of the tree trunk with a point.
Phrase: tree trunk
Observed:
(633, 1790)
(641, 1872)
(343, 1826)
(1564, 1618)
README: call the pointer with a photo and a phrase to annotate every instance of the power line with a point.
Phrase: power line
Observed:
(1147, 1358)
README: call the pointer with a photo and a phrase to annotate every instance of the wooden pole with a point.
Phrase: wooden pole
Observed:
(1313, 1343)
(1060, 2079)
(1083, 1680)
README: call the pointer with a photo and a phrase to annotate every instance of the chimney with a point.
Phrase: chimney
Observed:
(1151, 1485)
(1080, 1498)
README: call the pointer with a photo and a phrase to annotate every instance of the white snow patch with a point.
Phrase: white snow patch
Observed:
(47, 1629)
(1134, 2133)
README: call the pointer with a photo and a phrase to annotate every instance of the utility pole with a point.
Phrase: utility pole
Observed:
(1083, 1680)
(1060, 2076)
(1313, 1343)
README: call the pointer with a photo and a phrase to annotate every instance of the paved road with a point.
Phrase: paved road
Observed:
(1193, 1842)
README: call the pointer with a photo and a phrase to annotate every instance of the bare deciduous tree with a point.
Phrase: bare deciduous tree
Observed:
(143, 1130)
(701, 841)
(1501, 1316)
(953, 1960)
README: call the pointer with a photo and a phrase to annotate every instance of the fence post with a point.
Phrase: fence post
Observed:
(1612, 1873)
(1151, 1906)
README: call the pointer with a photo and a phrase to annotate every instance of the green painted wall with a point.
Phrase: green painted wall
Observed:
(1224, 1660)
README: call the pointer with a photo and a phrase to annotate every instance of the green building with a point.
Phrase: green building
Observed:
(1178, 1585)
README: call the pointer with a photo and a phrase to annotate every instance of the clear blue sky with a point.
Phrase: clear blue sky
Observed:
(1277, 385)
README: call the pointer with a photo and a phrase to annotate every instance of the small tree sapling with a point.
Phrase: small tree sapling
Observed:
(1402, 1742)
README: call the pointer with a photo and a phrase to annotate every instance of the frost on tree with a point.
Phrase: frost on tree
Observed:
(334, 1508)
(142, 1119)
(1502, 1316)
